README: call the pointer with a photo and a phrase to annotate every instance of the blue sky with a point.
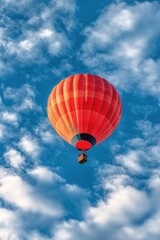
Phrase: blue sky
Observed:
(44, 193)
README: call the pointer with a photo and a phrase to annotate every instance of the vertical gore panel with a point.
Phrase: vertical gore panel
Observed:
(63, 111)
(78, 99)
(53, 111)
(70, 104)
(97, 102)
(51, 115)
(114, 122)
(88, 100)
(54, 106)
(105, 121)
(101, 115)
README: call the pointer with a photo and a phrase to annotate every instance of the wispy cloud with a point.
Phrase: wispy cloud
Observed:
(2, 131)
(9, 117)
(131, 160)
(14, 158)
(29, 145)
(37, 33)
(120, 46)
(45, 132)
(21, 98)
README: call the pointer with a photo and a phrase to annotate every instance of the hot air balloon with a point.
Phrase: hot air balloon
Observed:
(84, 109)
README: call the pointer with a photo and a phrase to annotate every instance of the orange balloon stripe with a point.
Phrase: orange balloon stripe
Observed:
(52, 120)
(70, 105)
(60, 128)
(62, 107)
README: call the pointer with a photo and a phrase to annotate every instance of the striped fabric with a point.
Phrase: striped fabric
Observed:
(84, 110)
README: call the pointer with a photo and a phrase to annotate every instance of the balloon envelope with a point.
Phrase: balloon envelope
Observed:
(84, 109)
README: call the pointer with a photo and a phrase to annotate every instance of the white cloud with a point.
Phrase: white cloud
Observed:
(29, 145)
(10, 226)
(154, 183)
(45, 132)
(37, 236)
(44, 174)
(131, 160)
(120, 45)
(37, 202)
(25, 196)
(123, 204)
(71, 230)
(46, 33)
(113, 178)
(129, 208)
(143, 152)
(14, 157)
(116, 182)
(137, 142)
(107, 218)
(11, 118)
(26, 45)
(151, 134)
(149, 230)
(29, 47)
(124, 213)
(119, 210)
(37, 32)
(22, 99)
(48, 137)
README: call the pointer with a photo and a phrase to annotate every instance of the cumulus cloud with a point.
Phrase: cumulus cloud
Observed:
(42, 197)
(14, 158)
(123, 213)
(142, 152)
(25, 196)
(11, 118)
(45, 175)
(34, 235)
(37, 32)
(45, 132)
(29, 145)
(120, 44)
(131, 160)
(10, 225)
(125, 206)
(129, 208)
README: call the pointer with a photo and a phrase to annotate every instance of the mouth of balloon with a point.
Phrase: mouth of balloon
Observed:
(83, 145)
(83, 141)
